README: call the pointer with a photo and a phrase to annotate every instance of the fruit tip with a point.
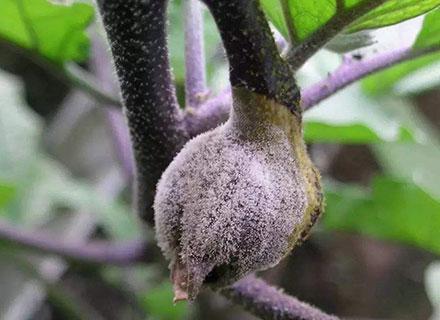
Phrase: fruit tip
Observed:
(179, 295)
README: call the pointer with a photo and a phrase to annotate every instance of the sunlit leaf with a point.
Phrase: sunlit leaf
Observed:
(308, 16)
(54, 31)
(430, 33)
(392, 12)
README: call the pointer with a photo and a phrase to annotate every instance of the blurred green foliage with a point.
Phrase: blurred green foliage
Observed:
(393, 210)
(382, 82)
(430, 33)
(56, 32)
(351, 117)
(34, 187)
(158, 303)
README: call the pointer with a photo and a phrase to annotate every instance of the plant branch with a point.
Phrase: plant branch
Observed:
(72, 74)
(86, 82)
(137, 37)
(253, 294)
(209, 115)
(126, 253)
(121, 143)
(101, 65)
(254, 61)
(269, 303)
(353, 70)
(298, 55)
(216, 110)
(195, 66)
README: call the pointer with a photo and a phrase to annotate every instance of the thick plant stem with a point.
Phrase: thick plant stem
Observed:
(254, 61)
(195, 66)
(269, 303)
(137, 37)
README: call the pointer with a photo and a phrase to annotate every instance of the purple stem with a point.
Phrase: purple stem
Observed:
(270, 303)
(101, 65)
(216, 110)
(121, 142)
(352, 70)
(253, 294)
(210, 114)
(195, 73)
(125, 253)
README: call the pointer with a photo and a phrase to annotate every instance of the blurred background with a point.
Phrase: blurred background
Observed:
(65, 171)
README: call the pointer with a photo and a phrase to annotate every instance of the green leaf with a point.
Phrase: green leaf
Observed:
(349, 134)
(430, 33)
(422, 80)
(350, 117)
(307, 16)
(274, 11)
(393, 210)
(54, 31)
(382, 82)
(392, 12)
(7, 192)
(416, 164)
(158, 304)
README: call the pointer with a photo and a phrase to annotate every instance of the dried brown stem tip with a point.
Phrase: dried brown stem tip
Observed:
(180, 282)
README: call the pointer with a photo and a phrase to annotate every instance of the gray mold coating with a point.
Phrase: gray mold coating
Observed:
(230, 201)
